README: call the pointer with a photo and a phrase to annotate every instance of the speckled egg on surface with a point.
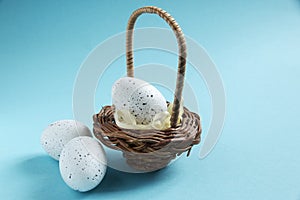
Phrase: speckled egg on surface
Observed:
(59, 133)
(82, 163)
(140, 98)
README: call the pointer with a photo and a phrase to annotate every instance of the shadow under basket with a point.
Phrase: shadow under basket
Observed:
(148, 150)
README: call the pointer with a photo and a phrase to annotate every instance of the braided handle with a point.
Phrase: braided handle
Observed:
(182, 53)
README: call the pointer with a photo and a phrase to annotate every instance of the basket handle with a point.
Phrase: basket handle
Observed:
(182, 53)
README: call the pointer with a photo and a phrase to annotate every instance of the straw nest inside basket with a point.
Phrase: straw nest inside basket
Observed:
(148, 150)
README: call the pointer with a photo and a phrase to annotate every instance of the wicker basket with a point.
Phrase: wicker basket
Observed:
(150, 150)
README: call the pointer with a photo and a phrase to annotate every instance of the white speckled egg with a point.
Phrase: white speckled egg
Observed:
(82, 163)
(59, 133)
(140, 98)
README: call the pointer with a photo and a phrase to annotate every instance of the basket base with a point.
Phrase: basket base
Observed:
(147, 162)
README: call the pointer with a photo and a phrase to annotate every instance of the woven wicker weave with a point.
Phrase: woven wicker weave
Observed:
(149, 150)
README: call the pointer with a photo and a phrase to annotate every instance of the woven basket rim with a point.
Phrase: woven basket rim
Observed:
(105, 118)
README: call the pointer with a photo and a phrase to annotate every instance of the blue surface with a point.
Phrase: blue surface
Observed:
(256, 46)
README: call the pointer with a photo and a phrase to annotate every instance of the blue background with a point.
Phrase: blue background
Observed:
(256, 47)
